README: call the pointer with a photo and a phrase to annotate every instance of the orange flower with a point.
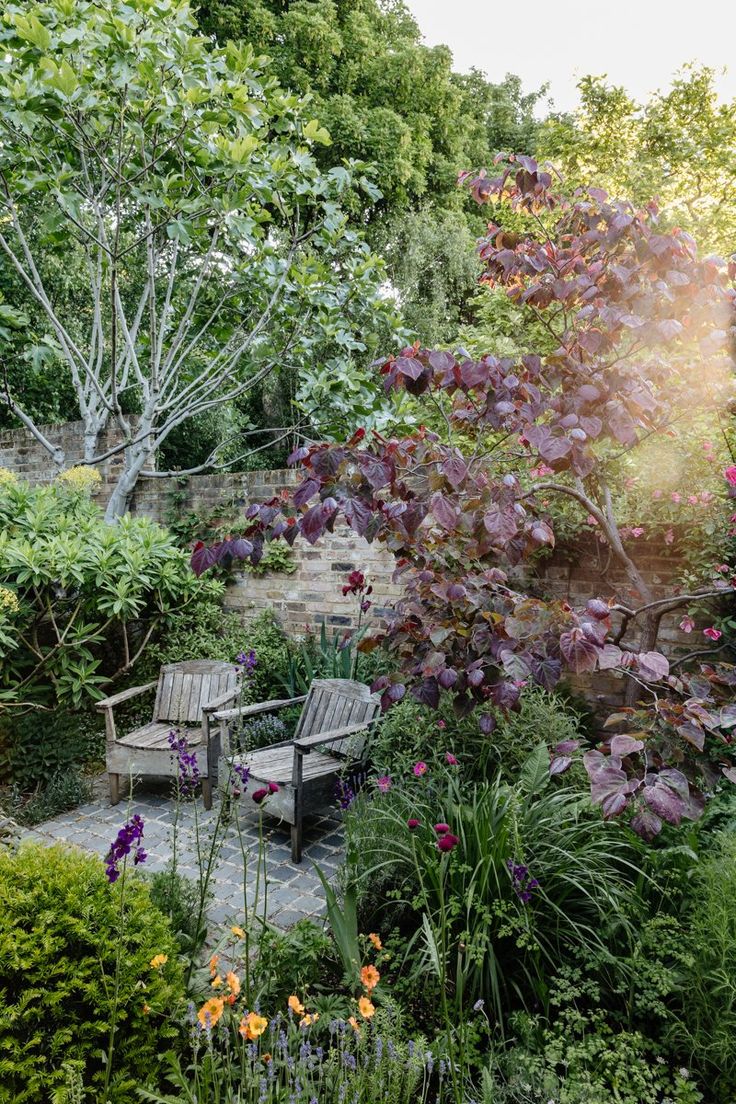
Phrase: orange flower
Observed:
(296, 1006)
(354, 1024)
(238, 932)
(370, 977)
(233, 983)
(158, 961)
(146, 1009)
(309, 1019)
(210, 1011)
(266, 1058)
(376, 941)
(216, 982)
(366, 1008)
(252, 1025)
(213, 964)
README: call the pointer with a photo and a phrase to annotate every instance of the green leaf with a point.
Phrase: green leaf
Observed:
(31, 30)
(313, 132)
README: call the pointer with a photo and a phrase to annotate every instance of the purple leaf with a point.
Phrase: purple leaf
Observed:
(625, 745)
(487, 723)
(653, 666)
(444, 511)
(646, 824)
(560, 764)
(455, 470)
(305, 491)
(579, 654)
(203, 558)
(392, 695)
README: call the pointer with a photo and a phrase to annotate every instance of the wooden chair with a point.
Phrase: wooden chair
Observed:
(337, 715)
(184, 692)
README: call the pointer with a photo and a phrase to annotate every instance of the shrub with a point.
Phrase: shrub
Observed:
(82, 599)
(177, 897)
(60, 932)
(40, 744)
(410, 731)
(64, 790)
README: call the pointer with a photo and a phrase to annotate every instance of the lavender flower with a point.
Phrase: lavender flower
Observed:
(246, 661)
(128, 839)
(187, 765)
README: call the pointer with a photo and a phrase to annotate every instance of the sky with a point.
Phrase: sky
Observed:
(637, 43)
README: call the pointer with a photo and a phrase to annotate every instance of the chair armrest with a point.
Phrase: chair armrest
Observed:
(131, 692)
(261, 707)
(215, 704)
(306, 743)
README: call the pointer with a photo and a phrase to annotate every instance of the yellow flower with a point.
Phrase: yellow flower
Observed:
(309, 1019)
(210, 1011)
(252, 1025)
(370, 977)
(8, 600)
(146, 1009)
(354, 1024)
(7, 477)
(80, 478)
(158, 960)
(237, 931)
(296, 1006)
(366, 1008)
(216, 982)
(233, 983)
(376, 941)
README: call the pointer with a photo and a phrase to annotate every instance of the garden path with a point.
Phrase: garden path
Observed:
(293, 892)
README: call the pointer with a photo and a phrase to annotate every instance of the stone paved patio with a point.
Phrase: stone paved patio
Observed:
(292, 891)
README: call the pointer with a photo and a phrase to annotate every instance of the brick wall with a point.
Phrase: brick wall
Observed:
(312, 593)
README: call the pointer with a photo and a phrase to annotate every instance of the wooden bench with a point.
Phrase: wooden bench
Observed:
(185, 694)
(330, 738)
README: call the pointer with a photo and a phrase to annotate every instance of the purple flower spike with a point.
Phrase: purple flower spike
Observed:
(186, 761)
(129, 839)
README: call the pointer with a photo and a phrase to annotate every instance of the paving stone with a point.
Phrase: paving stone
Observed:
(293, 891)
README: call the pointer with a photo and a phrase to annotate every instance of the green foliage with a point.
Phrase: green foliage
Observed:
(705, 1027)
(177, 898)
(85, 597)
(584, 867)
(277, 559)
(39, 744)
(624, 145)
(409, 732)
(299, 960)
(61, 791)
(61, 929)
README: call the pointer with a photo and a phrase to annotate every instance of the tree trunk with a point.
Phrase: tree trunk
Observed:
(136, 459)
(647, 643)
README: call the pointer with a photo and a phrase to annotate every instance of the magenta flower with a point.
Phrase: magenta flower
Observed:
(656, 494)
(687, 624)
(273, 787)
(676, 497)
(412, 823)
(442, 829)
(384, 784)
(669, 537)
(447, 842)
(442, 724)
(129, 838)
(730, 474)
(259, 795)
(420, 768)
(712, 634)
(450, 759)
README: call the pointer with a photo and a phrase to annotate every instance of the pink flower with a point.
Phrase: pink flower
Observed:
(730, 474)
(656, 494)
(420, 768)
(676, 497)
(712, 634)
(447, 842)
(723, 568)
(687, 624)
(450, 759)
(631, 482)
(412, 823)
(637, 532)
(273, 787)
(707, 446)
(441, 724)
(590, 520)
(706, 497)
(384, 784)
(442, 829)
(693, 500)
(540, 470)
(669, 537)
(259, 795)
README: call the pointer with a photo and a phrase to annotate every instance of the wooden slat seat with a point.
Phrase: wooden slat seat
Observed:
(185, 692)
(330, 738)
(156, 735)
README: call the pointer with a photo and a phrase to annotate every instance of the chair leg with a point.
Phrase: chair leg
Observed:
(207, 792)
(296, 842)
(114, 780)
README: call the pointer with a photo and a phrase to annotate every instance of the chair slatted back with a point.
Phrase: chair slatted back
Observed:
(337, 703)
(185, 688)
